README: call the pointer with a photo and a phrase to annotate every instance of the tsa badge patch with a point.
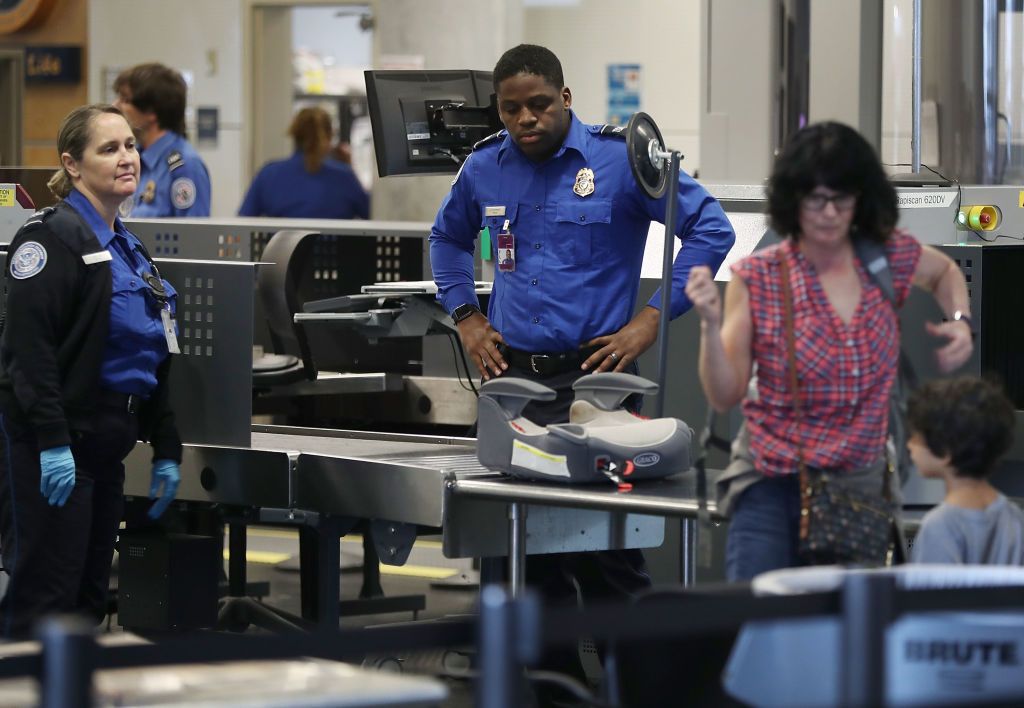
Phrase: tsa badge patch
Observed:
(125, 209)
(584, 186)
(183, 193)
(28, 260)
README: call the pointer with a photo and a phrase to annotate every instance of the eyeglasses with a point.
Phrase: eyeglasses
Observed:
(816, 202)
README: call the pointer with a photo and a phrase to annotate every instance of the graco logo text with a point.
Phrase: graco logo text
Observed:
(646, 459)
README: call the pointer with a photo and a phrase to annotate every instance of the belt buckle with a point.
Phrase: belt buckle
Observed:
(534, 358)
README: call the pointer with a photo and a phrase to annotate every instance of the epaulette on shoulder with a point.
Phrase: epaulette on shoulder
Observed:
(174, 160)
(39, 217)
(489, 139)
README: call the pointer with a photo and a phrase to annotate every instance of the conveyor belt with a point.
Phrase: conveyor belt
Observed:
(375, 475)
(427, 481)
(383, 476)
(402, 449)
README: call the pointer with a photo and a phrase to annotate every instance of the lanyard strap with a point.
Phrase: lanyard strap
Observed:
(150, 275)
(794, 383)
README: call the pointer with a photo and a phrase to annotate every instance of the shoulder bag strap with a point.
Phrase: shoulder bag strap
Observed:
(872, 256)
(794, 387)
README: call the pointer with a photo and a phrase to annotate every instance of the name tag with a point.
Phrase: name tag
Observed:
(169, 334)
(494, 211)
(98, 257)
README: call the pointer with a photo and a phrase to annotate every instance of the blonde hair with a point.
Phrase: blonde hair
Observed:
(72, 138)
(312, 133)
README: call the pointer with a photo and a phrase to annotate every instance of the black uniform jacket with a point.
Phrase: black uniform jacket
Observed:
(53, 340)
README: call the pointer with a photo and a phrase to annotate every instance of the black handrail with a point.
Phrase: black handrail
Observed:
(510, 634)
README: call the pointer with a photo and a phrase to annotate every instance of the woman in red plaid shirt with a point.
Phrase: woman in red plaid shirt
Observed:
(827, 190)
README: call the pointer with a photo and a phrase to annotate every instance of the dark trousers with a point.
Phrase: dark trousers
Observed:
(58, 558)
(600, 575)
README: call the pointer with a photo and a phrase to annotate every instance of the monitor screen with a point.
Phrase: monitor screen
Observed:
(427, 121)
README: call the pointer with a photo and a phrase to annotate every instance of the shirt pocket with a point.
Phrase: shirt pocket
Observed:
(584, 228)
(493, 218)
(130, 313)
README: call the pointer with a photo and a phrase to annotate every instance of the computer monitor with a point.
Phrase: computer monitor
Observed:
(427, 121)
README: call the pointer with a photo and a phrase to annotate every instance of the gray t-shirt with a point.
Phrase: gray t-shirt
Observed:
(990, 536)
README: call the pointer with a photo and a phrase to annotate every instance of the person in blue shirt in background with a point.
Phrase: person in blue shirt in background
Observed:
(84, 358)
(570, 223)
(174, 181)
(307, 184)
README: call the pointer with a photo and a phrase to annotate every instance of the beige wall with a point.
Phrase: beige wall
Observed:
(663, 36)
(202, 37)
(660, 35)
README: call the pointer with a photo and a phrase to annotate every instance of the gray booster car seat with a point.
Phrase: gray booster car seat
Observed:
(601, 442)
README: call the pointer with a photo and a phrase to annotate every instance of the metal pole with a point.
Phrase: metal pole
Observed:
(328, 581)
(915, 137)
(671, 207)
(867, 611)
(498, 685)
(68, 662)
(516, 548)
(236, 559)
(688, 551)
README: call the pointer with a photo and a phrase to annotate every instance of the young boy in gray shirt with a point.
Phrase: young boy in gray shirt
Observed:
(959, 429)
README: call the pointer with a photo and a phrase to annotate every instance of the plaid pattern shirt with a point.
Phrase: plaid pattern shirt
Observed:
(845, 370)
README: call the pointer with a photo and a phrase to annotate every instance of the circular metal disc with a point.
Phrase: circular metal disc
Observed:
(651, 175)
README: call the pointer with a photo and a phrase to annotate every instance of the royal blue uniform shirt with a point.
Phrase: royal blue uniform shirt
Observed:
(136, 345)
(173, 182)
(578, 258)
(285, 189)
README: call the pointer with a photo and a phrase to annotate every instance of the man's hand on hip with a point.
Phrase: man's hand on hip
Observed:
(617, 351)
(481, 341)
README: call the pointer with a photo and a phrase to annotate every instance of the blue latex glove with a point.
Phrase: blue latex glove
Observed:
(58, 474)
(166, 475)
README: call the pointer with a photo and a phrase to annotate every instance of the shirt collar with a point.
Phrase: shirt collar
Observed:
(78, 201)
(151, 155)
(574, 140)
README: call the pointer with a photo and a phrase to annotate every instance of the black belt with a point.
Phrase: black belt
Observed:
(546, 364)
(115, 399)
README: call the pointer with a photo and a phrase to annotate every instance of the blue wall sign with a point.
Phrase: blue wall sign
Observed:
(53, 65)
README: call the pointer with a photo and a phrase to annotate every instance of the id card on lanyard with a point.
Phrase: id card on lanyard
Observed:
(159, 292)
(506, 243)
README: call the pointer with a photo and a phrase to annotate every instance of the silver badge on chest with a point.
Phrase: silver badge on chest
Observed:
(584, 186)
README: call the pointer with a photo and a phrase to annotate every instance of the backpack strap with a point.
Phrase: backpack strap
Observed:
(872, 257)
(876, 263)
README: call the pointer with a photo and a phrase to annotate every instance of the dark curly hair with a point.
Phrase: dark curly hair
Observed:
(529, 59)
(835, 156)
(968, 418)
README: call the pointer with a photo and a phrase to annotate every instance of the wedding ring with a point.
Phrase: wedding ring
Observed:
(613, 356)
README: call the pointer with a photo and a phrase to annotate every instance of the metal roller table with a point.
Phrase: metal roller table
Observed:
(325, 480)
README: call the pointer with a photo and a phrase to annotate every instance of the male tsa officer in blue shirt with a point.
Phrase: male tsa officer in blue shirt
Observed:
(174, 181)
(570, 224)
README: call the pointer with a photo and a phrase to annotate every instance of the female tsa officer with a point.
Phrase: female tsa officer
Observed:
(83, 375)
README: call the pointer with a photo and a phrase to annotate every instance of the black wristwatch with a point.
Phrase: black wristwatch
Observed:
(463, 311)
